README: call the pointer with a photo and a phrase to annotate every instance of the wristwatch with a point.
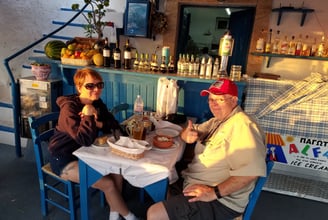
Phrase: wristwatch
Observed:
(217, 192)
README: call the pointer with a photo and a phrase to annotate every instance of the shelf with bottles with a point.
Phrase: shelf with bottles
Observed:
(272, 55)
(302, 10)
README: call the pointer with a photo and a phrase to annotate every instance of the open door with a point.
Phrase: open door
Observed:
(241, 28)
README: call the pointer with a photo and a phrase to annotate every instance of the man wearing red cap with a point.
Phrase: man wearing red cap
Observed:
(229, 157)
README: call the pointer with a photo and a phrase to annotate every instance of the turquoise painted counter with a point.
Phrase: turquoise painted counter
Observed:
(124, 86)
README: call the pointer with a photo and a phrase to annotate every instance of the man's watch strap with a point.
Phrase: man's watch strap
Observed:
(217, 192)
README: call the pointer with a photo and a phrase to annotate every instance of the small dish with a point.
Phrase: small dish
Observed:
(173, 147)
(161, 141)
(167, 132)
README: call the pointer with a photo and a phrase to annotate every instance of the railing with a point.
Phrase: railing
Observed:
(15, 105)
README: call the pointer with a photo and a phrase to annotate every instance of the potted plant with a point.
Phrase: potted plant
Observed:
(41, 71)
(94, 17)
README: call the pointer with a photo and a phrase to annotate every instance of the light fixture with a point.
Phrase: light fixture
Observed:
(228, 11)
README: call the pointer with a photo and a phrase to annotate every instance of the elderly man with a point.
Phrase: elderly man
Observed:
(229, 157)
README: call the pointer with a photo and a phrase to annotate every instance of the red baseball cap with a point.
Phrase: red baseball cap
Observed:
(221, 87)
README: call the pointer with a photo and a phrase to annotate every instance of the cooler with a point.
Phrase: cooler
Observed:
(37, 97)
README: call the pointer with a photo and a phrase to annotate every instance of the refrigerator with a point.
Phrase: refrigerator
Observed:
(37, 97)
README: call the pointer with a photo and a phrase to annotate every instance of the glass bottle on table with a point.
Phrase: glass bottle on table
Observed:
(117, 56)
(106, 53)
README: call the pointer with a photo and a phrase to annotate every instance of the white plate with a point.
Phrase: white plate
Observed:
(173, 147)
(167, 132)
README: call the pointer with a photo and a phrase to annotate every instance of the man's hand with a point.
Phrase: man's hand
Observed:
(189, 135)
(200, 192)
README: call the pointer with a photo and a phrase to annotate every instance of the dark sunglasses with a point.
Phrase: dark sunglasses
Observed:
(91, 86)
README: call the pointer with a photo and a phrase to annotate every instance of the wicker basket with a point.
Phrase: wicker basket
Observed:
(41, 71)
(127, 152)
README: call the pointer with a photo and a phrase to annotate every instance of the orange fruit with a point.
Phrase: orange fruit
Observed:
(98, 59)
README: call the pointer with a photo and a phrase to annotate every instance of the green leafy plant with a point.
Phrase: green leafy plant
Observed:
(95, 24)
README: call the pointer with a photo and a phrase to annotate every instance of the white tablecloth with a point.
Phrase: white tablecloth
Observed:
(154, 166)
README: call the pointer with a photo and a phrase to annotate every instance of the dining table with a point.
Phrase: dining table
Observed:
(153, 172)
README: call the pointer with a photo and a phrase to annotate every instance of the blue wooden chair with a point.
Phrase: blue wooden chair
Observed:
(122, 110)
(53, 189)
(256, 193)
(42, 128)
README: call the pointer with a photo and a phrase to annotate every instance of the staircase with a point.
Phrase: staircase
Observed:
(13, 104)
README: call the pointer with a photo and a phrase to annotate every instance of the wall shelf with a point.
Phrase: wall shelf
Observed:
(272, 55)
(281, 10)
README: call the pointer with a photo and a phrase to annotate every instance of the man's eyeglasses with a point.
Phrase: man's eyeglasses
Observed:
(218, 101)
(92, 86)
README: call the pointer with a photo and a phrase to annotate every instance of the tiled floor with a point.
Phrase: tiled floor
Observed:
(19, 196)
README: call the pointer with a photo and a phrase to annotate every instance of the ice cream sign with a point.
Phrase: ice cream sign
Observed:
(298, 151)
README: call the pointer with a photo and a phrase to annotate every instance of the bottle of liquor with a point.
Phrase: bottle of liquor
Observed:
(117, 56)
(209, 66)
(276, 44)
(146, 63)
(171, 64)
(136, 62)
(292, 46)
(268, 44)
(306, 49)
(179, 64)
(215, 68)
(154, 64)
(321, 47)
(106, 53)
(141, 62)
(196, 67)
(191, 65)
(127, 55)
(284, 45)
(202, 68)
(163, 67)
(299, 46)
(314, 48)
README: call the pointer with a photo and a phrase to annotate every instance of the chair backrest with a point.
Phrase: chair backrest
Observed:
(256, 192)
(42, 128)
(121, 108)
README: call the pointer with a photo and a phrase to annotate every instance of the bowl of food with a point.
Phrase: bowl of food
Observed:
(162, 141)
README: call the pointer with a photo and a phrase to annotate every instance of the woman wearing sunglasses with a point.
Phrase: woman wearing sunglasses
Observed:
(82, 116)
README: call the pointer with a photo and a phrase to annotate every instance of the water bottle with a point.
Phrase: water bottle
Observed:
(138, 107)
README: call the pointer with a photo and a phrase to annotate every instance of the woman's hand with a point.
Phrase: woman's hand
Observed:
(200, 192)
(189, 135)
(89, 110)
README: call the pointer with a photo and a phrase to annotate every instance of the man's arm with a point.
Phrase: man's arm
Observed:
(205, 193)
